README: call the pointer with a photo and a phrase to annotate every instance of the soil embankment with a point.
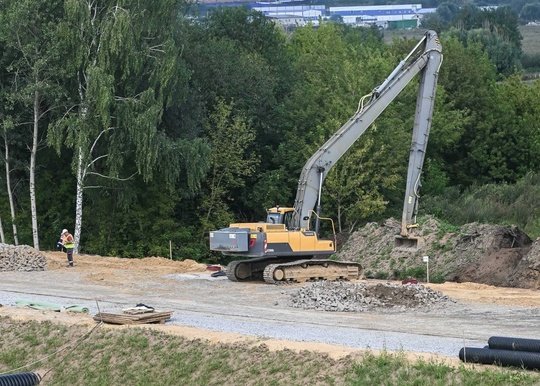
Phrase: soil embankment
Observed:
(480, 253)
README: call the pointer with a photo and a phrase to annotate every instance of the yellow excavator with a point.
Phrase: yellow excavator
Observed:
(284, 248)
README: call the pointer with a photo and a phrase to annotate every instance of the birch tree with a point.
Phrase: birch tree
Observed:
(9, 189)
(123, 62)
(27, 29)
(4, 143)
(2, 237)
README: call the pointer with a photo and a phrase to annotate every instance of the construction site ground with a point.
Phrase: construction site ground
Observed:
(223, 311)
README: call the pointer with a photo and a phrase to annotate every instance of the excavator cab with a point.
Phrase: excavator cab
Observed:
(279, 215)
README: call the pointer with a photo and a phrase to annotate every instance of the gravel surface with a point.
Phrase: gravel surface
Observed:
(350, 337)
(296, 331)
(260, 310)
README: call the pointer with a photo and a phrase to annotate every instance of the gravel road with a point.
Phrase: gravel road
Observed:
(260, 310)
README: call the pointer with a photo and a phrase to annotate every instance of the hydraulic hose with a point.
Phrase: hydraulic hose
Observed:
(21, 379)
(523, 359)
(514, 344)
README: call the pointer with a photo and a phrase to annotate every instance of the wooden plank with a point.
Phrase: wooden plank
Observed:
(151, 317)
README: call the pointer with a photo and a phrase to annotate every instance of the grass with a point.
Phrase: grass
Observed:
(146, 357)
(531, 39)
(414, 34)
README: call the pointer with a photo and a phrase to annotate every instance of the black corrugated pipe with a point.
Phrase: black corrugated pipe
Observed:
(21, 379)
(523, 359)
(515, 344)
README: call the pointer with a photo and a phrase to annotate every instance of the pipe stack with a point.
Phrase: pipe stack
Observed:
(505, 351)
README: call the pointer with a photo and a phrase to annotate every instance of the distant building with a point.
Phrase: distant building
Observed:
(292, 15)
(383, 16)
(297, 13)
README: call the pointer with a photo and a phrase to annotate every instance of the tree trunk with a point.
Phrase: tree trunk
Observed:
(2, 237)
(339, 217)
(33, 154)
(80, 177)
(10, 193)
(79, 201)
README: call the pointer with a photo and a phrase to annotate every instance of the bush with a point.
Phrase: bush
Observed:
(531, 61)
(510, 204)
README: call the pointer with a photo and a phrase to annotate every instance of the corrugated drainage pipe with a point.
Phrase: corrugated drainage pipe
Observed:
(21, 379)
(527, 360)
(515, 344)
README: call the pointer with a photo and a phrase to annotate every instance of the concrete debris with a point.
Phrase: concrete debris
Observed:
(21, 258)
(357, 297)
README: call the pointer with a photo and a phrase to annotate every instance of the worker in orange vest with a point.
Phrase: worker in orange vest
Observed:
(67, 241)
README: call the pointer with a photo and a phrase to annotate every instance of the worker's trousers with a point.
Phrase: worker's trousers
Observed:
(69, 252)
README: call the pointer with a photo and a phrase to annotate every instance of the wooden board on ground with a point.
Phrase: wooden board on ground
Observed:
(150, 317)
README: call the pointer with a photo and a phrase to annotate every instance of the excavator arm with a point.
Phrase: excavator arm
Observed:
(425, 58)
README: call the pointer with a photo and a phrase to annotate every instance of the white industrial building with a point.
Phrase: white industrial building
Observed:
(384, 16)
(293, 15)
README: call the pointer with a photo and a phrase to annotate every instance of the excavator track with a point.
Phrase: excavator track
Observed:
(300, 271)
(252, 269)
(231, 270)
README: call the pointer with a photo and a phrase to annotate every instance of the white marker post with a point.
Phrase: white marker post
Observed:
(426, 260)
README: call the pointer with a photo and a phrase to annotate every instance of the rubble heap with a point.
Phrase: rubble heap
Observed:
(21, 258)
(355, 297)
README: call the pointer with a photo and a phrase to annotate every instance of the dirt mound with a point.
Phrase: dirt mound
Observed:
(482, 253)
(21, 258)
(343, 296)
(107, 270)
(528, 268)
(153, 263)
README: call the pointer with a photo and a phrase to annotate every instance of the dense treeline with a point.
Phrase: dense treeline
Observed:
(136, 125)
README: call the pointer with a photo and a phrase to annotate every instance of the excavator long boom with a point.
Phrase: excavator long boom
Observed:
(425, 58)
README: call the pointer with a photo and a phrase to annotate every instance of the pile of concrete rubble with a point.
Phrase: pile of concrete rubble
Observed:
(354, 297)
(21, 258)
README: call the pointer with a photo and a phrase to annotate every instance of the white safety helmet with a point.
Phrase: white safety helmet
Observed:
(64, 231)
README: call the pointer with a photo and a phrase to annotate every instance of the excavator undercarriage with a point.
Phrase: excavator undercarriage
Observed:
(274, 270)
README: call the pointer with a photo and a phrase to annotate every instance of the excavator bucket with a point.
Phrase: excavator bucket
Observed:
(410, 243)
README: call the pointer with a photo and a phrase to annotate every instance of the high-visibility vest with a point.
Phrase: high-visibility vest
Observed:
(68, 241)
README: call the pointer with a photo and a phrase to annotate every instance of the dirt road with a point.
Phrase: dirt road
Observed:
(222, 310)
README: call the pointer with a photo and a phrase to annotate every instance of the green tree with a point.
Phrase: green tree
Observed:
(231, 162)
(530, 11)
(124, 62)
(503, 53)
(468, 78)
(508, 147)
(27, 30)
(240, 56)
(335, 71)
